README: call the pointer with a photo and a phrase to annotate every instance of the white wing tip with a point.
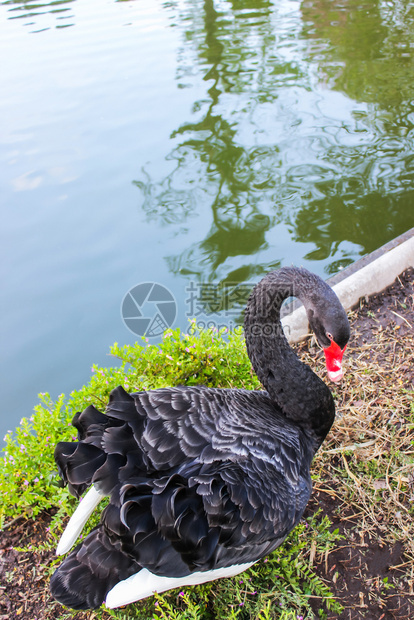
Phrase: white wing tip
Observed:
(63, 546)
(78, 520)
(144, 583)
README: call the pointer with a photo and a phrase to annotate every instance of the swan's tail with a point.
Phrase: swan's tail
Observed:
(95, 458)
(83, 580)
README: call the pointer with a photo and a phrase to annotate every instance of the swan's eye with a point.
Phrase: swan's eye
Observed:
(329, 336)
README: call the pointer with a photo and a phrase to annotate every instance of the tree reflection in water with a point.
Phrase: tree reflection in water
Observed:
(297, 134)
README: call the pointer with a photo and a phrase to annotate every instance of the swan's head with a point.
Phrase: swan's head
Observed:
(331, 328)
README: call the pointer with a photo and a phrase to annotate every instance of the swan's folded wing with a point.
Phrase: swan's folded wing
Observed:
(187, 465)
(210, 516)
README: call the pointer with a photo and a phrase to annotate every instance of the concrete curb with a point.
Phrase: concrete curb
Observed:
(373, 276)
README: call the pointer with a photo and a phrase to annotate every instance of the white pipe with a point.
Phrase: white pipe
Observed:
(371, 279)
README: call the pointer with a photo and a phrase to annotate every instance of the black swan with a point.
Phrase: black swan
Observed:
(202, 482)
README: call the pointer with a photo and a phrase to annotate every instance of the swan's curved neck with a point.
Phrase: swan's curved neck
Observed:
(298, 392)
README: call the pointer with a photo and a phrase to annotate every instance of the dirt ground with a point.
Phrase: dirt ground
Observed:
(382, 331)
(356, 568)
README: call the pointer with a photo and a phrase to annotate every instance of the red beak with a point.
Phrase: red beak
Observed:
(333, 356)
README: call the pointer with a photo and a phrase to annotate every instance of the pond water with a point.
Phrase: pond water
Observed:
(191, 144)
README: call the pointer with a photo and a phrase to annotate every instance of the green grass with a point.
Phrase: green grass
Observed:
(279, 587)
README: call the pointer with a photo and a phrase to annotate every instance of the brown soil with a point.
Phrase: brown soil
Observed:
(383, 333)
(24, 592)
(355, 569)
